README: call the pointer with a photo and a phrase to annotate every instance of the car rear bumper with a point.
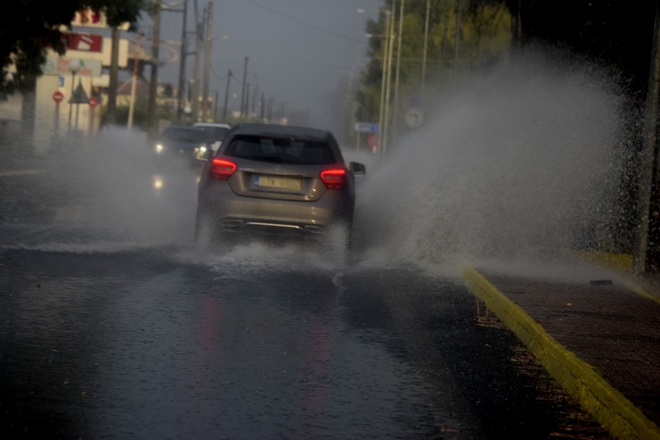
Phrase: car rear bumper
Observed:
(230, 211)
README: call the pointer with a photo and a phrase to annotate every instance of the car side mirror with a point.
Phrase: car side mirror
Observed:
(357, 168)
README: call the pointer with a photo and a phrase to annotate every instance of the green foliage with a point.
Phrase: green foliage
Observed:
(484, 35)
(28, 27)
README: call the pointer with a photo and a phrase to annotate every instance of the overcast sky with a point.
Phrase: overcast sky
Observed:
(298, 49)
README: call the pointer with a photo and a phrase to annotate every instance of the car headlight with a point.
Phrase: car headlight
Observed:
(202, 149)
(159, 148)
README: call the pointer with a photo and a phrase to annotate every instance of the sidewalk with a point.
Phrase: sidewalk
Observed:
(600, 341)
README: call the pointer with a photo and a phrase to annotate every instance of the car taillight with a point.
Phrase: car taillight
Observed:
(222, 169)
(334, 179)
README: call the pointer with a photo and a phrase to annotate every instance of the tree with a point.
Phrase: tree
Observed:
(617, 33)
(484, 34)
(29, 27)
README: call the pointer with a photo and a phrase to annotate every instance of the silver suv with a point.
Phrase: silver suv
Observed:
(276, 179)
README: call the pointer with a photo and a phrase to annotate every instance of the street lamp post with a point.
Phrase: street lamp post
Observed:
(381, 112)
(398, 69)
(426, 44)
(386, 118)
(74, 67)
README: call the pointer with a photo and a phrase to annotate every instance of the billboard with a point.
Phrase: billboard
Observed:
(84, 42)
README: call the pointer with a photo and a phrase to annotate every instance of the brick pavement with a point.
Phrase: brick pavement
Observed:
(608, 326)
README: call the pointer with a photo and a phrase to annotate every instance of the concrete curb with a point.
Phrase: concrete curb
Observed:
(607, 405)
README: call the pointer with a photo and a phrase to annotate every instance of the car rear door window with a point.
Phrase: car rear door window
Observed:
(280, 150)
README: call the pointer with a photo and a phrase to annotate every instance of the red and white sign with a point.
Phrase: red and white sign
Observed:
(58, 97)
(89, 18)
(93, 102)
(84, 42)
(372, 140)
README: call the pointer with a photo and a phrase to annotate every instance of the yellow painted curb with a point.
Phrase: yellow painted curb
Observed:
(639, 291)
(607, 405)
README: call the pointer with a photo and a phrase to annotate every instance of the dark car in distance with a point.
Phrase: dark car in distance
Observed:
(181, 141)
(271, 178)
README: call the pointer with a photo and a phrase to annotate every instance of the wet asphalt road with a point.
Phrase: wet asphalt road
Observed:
(102, 339)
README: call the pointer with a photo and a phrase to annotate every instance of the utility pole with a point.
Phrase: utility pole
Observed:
(247, 100)
(182, 65)
(386, 120)
(458, 32)
(269, 110)
(224, 110)
(198, 50)
(244, 83)
(648, 156)
(136, 62)
(111, 114)
(207, 63)
(398, 69)
(381, 112)
(255, 92)
(215, 106)
(262, 109)
(153, 84)
(426, 44)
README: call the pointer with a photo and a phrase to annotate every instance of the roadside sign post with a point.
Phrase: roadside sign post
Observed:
(365, 127)
(79, 96)
(92, 106)
(57, 97)
(373, 142)
(74, 66)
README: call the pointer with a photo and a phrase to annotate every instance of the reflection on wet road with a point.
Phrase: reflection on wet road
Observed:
(137, 346)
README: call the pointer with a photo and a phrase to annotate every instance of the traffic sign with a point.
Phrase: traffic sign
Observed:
(368, 127)
(93, 102)
(414, 117)
(79, 96)
(414, 100)
(372, 140)
(58, 97)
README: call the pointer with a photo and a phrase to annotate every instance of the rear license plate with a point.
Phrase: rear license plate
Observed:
(277, 182)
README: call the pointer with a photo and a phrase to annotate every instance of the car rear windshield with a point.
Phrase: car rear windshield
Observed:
(185, 135)
(280, 150)
(215, 133)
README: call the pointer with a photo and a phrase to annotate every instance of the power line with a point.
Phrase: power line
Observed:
(336, 34)
(216, 75)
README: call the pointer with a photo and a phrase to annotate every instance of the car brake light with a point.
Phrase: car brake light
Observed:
(222, 169)
(333, 179)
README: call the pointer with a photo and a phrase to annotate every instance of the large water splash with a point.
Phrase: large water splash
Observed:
(523, 161)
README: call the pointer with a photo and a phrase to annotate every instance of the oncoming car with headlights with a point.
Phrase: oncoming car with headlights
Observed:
(181, 141)
(276, 179)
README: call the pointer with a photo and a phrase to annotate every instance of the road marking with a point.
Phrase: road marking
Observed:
(12, 173)
(605, 403)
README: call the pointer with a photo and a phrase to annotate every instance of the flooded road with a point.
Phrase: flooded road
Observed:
(115, 325)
